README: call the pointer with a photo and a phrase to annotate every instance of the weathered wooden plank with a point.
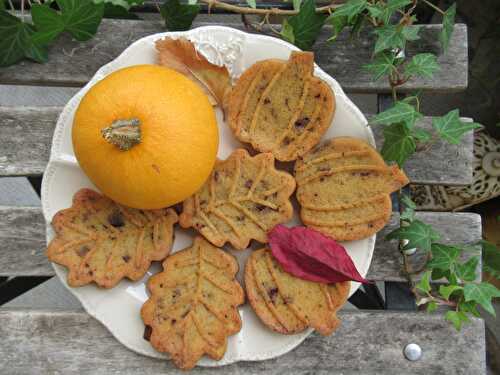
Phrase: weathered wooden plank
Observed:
(26, 134)
(22, 242)
(73, 63)
(25, 139)
(39, 342)
(440, 164)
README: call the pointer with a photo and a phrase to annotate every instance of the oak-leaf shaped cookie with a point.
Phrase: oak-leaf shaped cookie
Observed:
(279, 106)
(193, 304)
(344, 187)
(99, 240)
(242, 200)
(287, 304)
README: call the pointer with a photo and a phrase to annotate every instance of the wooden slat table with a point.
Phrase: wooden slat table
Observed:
(40, 341)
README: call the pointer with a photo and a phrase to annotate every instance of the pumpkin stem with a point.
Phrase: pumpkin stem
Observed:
(124, 134)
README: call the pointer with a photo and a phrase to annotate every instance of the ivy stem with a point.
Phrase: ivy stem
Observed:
(394, 93)
(266, 19)
(406, 266)
(11, 6)
(437, 9)
(262, 11)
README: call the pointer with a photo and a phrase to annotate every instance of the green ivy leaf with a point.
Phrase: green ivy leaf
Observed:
(2, 5)
(491, 258)
(296, 4)
(381, 66)
(431, 306)
(411, 32)
(443, 256)
(392, 6)
(407, 201)
(467, 270)
(351, 9)
(16, 41)
(447, 290)
(408, 213)
(398, 145)
(447, 274)
(399, 112)
(287, 32)
(48, 22)
(252, 3)
(357, 25)
(375, 11)
(482, 294)
(470, 307)
(448, 25)
(81, 18)
(424, 283)
(457, 318)
(338, 24)
(418, 234)
(178, 16)
(422, 135)
(389, 37)
(384, 12)
(422, 64)
(115, 11)
(451, 128)
(306, 25)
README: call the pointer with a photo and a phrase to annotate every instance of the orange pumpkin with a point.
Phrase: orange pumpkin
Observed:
(146, 136)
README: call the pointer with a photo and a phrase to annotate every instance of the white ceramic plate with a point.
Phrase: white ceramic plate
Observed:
(118, 309)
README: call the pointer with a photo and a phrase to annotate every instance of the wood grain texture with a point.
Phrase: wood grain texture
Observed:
(41, 342)
(440, 164)
(73, 63)
(22, 241)
(27, 136)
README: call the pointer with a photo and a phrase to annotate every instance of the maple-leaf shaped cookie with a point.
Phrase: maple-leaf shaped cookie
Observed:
(287, 304)
(280, 107)
(344, 187)
(193, 304)
(242, 200)
(99, 240)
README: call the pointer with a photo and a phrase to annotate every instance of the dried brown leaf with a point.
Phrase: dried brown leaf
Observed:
(181, 55)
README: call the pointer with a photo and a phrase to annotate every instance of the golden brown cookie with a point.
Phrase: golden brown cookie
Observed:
(193, 304)
(242, 200)
(280, 107)
(344, 187)
(287, 304)
(99, 240)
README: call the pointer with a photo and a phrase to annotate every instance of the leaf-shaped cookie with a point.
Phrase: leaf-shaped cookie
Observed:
(193, 304)
(99, 240)
(287, 304)
(344, 189)
(181, 55)
(280, 107)
(242, 200)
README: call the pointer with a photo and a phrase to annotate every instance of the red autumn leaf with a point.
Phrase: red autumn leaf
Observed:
(310, 255)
